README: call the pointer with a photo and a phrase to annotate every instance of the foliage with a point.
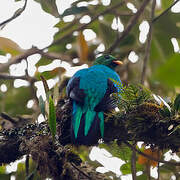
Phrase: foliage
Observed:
(52, 117)
(146, 119)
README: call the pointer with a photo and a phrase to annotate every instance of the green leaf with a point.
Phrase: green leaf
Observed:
(74, 10)
(49, 6)
(56, 92)
(169, 73)
(31, 176)
(2, 52)
(2, 169)
(43, 61)
(42, 105)
(177, 103)
(123, 152)
(126, 168)
(165, 112)
(52, 117)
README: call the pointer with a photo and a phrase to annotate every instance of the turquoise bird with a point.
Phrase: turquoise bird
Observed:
(90, 92)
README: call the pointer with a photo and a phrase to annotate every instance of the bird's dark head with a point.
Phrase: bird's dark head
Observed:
(108, 60)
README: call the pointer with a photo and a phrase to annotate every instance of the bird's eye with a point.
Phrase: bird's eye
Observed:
(106, 56)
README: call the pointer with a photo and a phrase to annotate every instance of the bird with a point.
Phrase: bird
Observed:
(90, 91)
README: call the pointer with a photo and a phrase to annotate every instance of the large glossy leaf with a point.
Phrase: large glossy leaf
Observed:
(49, 6)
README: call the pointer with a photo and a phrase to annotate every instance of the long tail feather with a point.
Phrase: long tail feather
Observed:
(89, 117)
(76, 119)
(93, 134)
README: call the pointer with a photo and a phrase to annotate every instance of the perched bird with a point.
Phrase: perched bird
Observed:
(90, 91)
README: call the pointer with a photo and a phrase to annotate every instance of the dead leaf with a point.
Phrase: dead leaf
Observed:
(82, 47)
(9, 46)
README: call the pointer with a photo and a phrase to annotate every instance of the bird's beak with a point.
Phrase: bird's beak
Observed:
(118, 62)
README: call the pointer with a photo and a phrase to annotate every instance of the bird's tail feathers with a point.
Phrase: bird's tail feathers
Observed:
(89, 118)
(77, 115)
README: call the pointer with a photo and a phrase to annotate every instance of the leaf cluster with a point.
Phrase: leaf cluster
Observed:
(141, 119)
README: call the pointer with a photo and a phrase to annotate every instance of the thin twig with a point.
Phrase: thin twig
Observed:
(7, 117)
(18, 58)
(148, 171)
(158, 168)
(15, 15)
(150, 157)
(27, 165)
(85, 25)
(131, 23)
(9, 77)
(35, 50)
(86, 175)
(54, 55)
(133, 163)
(165, 11)
(148, 46)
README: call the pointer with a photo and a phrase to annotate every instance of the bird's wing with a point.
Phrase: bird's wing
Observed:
(73, 88)
(108, 102)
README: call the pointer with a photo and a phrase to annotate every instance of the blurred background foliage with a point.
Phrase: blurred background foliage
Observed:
(84, 31)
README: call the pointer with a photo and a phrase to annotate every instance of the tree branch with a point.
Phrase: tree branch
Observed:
(148, 46)
(35, 50)
(53, 55)
(16, 14)
(53, 159)
(9, 77)
(150, 157)
(85, 25)
(130, 25)
(18, 58)
(165, 11)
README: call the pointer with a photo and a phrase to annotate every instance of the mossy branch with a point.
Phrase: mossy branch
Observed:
(139, 118)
